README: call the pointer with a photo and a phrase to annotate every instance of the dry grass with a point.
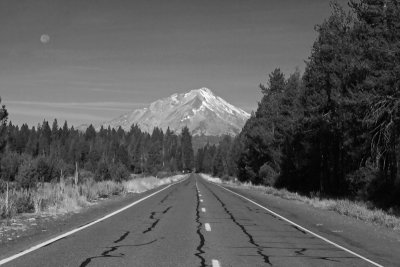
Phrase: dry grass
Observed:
(358, 210)
(63, 198)
(57, 198)
(139, 185)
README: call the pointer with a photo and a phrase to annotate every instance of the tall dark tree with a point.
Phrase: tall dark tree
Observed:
(44, 138)
(377, 31)
(187, 150)
(263, 133)
(156, 150)
(3, 125)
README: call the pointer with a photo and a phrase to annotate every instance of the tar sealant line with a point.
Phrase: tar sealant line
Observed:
(43, 244)
(305, 229)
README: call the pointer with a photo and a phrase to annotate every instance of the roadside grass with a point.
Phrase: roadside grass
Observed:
(139, 185)
(359, 210)
(65, 197)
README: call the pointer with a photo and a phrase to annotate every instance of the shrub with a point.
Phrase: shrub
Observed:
(23, 201)
(163, 174)
(88, 190)
(119, 172)
(226, 178)
(85, 175)
(19, 201)
(66, 169)
(27, 176)
(267, 174)
(58, 198)
(102, 171)
(9, 212)
(108, 188)
(46, 169)
(360, 181)
(9, 165)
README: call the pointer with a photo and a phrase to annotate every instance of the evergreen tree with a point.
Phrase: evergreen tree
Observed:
(187, 150)
(3, 125)
(378, 35)
(44, 138)
(155, 159)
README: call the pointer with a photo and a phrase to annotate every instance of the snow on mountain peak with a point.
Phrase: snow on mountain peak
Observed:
(205, 91)
(200, 110)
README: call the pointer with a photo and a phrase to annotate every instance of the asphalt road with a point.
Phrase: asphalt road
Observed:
(192, 223)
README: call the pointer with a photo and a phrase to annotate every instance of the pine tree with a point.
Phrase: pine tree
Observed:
(3, 125)
(187, 150)
(378, 32)
(155, 159)
(44, 138)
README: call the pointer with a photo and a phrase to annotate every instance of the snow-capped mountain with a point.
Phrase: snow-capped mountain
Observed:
(200, 110)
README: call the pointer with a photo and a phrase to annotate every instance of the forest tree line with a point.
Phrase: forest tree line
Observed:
(334, 130)
(47, 152)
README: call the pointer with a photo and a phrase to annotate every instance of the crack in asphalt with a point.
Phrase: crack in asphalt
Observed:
(167, 209)
(199, 248)
(258, 211)
(168, 195)
(55, 241)
(298, 229)
(151, 227)
(186, 183)
(243, 228)
(299, 252)
(106, 253)
(122, 237)
(254, 210)
(154, 224)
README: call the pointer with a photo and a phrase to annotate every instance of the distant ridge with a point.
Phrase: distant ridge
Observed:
(200, 110)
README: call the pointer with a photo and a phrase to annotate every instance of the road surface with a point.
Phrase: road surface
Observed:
(193, 223)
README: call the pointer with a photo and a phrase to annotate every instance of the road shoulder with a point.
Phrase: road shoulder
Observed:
(44, 228)
(376, 242)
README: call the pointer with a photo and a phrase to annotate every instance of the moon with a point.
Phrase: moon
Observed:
(44, 38)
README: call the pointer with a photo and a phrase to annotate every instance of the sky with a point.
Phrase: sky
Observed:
(88, 61)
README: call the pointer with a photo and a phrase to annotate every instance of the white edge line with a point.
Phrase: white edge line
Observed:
(38, 246)
(215, 263)
(302, 228)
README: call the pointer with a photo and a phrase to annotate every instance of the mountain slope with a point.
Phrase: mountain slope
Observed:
(200, 110)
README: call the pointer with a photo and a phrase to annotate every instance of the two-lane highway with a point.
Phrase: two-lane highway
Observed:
(191, 223)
